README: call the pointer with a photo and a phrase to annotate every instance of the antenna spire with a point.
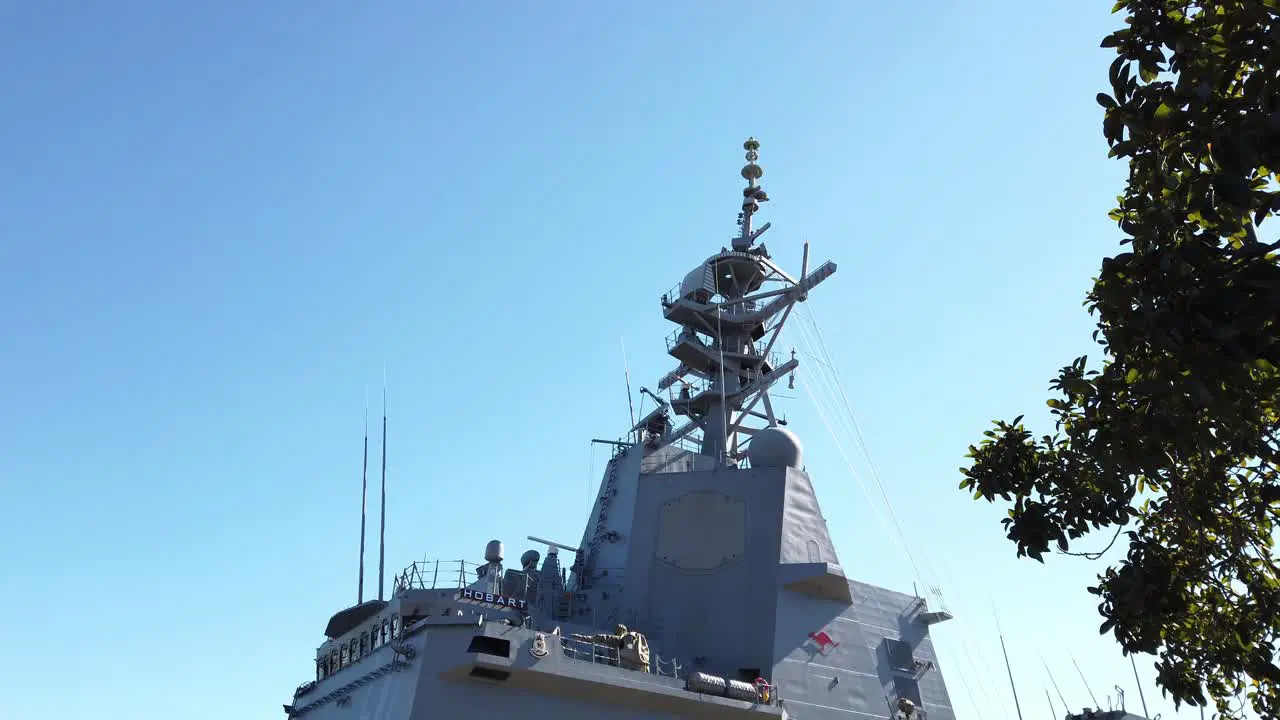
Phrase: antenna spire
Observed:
(364, 495)
(752, 196)
(1009, 668)
(1086, 683)
(382, 515)
(1138, 682)
(626, 370)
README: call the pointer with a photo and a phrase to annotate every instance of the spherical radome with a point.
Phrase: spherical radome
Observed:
(775, 447)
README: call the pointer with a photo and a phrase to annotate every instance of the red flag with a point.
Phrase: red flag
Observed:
(824, 641)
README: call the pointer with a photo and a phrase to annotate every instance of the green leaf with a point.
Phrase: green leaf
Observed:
(1172, 442)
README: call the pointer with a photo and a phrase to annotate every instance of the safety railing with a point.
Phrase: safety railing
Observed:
(681, 334)
(671, 295)
(685, 390)
(691, 442)
(436, 575)
(601, 654)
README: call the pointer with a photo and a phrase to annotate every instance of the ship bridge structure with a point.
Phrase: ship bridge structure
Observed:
(705, 583)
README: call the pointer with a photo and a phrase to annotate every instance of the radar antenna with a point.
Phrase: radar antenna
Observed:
(730, 321)
(752, 196)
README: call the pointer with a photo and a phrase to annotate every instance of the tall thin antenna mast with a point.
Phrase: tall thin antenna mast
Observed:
(1086, 683)
(1017, 706)
(626, 371)
(1052, 712)
(1010, 669)
(382, 516)
(1055, 686)
(364, 495)
(1141, 696)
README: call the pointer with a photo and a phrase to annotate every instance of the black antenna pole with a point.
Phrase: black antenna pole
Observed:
(1009, 668)
(364, 496)
(1017, 706)
(1141, 697)
(1086, 683)
(382, 531)
(1055, 686)
(1052, 712)
(626, 370)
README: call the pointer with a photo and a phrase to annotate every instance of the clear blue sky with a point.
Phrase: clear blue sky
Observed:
(219, 220)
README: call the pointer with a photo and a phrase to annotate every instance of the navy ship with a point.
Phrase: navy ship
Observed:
(705, 583)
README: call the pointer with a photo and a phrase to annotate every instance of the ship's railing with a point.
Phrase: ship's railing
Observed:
(743, 307)
(672, 295)
(601, 654)
(436, 575)
(675, 293)
(691, 442)
(681, 333)
(695, 386)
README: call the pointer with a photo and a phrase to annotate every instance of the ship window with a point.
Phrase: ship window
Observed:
(354, 648)
(333, 663)
(395, 625)
(343, 660)
(321, 666)
(364, 644)
(384, 632)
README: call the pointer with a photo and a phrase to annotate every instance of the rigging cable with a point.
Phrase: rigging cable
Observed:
(840, 446)
(827, 385)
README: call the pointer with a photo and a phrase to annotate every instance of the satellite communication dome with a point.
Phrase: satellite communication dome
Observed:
(529, 559)
(493, 551)
(775, 447)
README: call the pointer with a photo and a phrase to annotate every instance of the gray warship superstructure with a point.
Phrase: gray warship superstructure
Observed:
(705, 583)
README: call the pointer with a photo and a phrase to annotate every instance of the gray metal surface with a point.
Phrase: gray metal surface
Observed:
(717, 552)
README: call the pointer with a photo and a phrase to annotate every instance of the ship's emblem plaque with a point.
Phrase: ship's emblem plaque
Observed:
(539, 649)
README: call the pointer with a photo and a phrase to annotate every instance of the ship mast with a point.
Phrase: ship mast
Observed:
(730, 320)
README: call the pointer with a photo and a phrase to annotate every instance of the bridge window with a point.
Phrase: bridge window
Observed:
(333, 662)
(384, 632)
(364, 644)
(321, 666)
(354, 647)
(395, 626)
(343, 660)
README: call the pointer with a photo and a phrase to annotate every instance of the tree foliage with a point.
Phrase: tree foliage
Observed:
(1176, 436)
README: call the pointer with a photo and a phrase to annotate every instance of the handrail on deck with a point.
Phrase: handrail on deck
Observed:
(436, 575)
(598, 653)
